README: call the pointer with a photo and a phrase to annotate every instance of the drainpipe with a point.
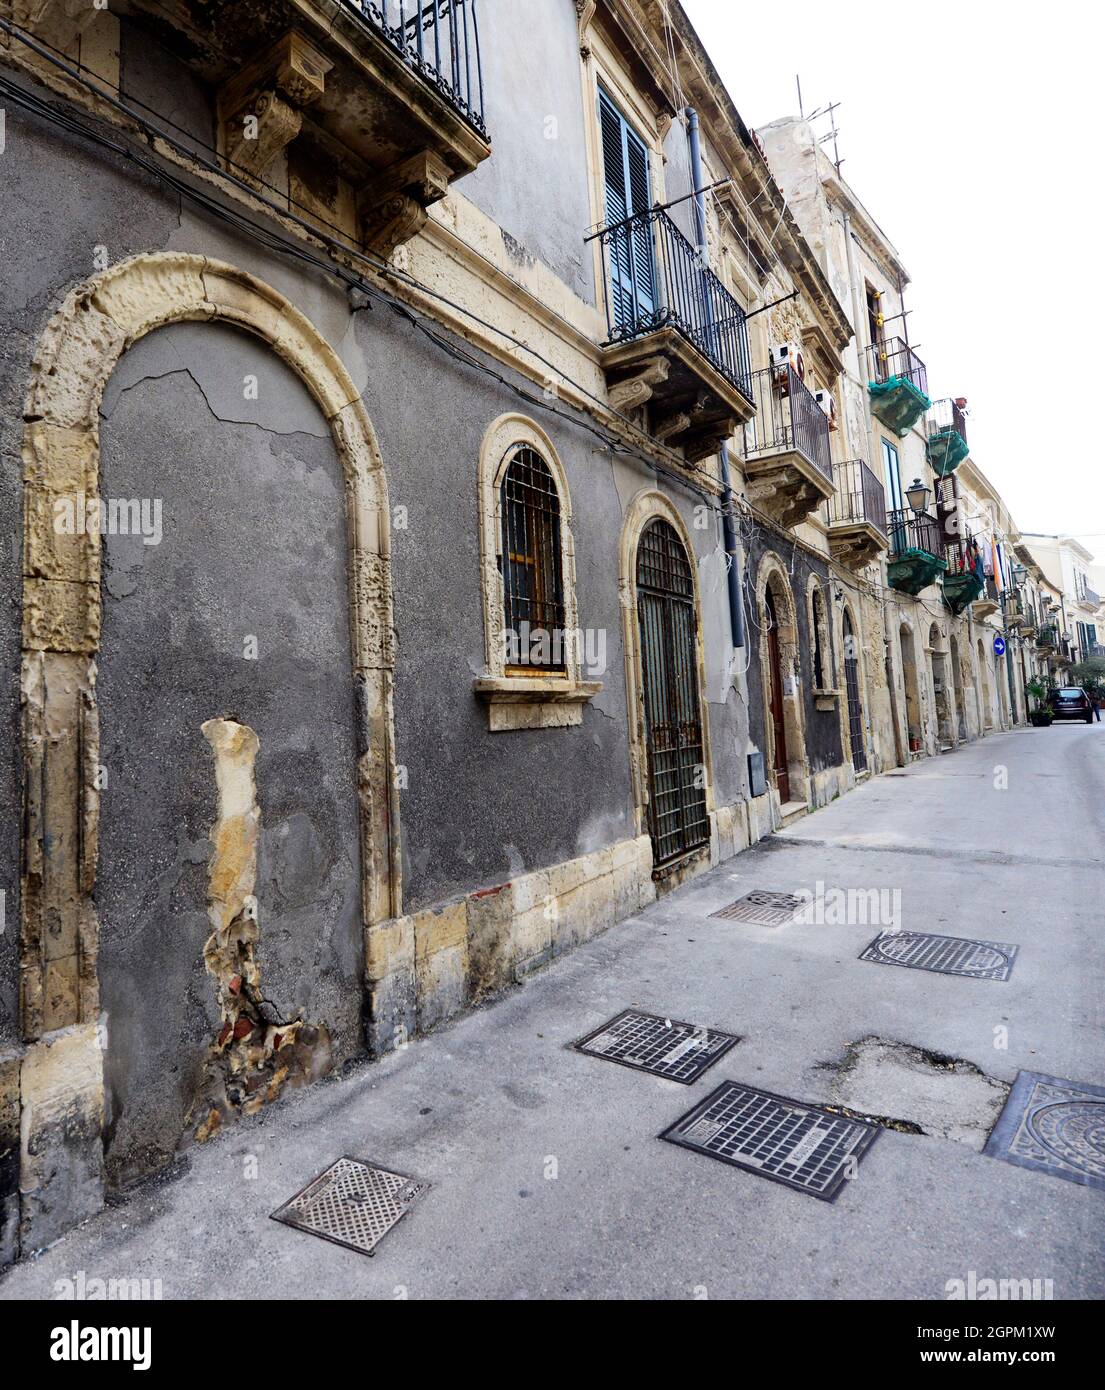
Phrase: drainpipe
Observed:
(729, 531)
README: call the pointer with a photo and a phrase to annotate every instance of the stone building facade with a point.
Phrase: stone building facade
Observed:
(422, 450)
(946, 597)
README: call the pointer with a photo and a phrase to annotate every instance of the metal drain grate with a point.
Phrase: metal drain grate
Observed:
(676, 1051)
(762, 909)
(353, 1204)
(1055, 1127)
(800, 1146)
(944, 955)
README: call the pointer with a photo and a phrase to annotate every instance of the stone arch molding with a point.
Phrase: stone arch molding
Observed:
(536, 700)
(647, 506)
(98, 321)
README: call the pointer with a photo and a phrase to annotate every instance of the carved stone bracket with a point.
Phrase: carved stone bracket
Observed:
(585, 13)
(636, 390)
(261, 107)
(393, 206)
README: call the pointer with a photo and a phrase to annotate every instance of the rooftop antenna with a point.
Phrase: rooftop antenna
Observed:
(801, 108)
(833, 134)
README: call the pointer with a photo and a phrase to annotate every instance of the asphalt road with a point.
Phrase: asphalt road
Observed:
(548, 1179)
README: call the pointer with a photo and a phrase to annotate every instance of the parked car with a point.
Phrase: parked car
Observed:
(1071, 702)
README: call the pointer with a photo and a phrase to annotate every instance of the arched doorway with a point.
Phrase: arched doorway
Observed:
(780, 761)
(64, 617)
(678, 815)
(780, 662)
(957, 680)
(914, 725)
(856, 737)
(985, 694)
(941, 692)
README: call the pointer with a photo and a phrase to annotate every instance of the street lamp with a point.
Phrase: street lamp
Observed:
(918, 496)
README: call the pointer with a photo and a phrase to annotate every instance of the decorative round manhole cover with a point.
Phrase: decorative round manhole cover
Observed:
(1074, 1131)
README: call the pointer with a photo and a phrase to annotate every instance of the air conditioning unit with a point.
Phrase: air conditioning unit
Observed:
(784, 355)
(827, 402)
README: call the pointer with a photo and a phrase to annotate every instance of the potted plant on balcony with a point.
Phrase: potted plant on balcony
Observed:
(1039, 688)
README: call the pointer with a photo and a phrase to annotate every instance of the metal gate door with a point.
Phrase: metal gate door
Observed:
(677, 817)
(855, 708)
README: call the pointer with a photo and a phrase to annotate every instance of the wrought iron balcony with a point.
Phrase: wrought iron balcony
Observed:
(1015, 610)
(899, 385)
(947, 437)
(440, 40)
(677, 340)
(915, 547)
(787, 451)
(655, 279)
(857, 514)
(788, 420)
(1091, 597)
(357, 115)
(989, 600)
(962, 582)
(1047, 639)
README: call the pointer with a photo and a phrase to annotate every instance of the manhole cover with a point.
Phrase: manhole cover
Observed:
(800, 1146)
(944, 955)
(676, 1051)
(1054, 1127)
(353, 1204)
(762, 909)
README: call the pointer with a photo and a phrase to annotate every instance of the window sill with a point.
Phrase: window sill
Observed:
(534, 702)
(826, 700)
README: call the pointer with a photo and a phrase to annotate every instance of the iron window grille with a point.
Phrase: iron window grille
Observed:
(856, 731)
(858, 496)
(531, 565)
(893, 359)
(655, 279)
(817, 619)
(787, 417)
(440, 40)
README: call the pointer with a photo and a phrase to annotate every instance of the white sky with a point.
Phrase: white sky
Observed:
(971, 131)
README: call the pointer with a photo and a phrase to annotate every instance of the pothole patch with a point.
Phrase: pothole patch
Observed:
(907, 1088)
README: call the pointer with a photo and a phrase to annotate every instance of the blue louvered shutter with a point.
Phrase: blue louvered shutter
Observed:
(628, 192)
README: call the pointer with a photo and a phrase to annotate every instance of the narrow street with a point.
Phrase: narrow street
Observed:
(547, 1176)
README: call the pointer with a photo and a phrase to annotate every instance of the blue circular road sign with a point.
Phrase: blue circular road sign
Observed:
(999, 646)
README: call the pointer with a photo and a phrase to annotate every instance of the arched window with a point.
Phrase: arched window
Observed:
(819, 640)
(532, 568)
(541, 669)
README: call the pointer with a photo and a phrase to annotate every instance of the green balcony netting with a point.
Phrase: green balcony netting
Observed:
(898, 403)
(961, 590)
(946, 451)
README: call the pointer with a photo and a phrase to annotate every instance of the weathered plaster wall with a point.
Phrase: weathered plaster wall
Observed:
(533, 98)
(254, 547)
(479, 808)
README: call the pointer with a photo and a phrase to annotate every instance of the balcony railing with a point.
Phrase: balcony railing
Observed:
(859, 497)
(1092, 598)
(909, 530)
(947, 415)
(787, 418)
(894, 358)
(440, 40)
(655, 279)
(1014, 608)
(1048, 637)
